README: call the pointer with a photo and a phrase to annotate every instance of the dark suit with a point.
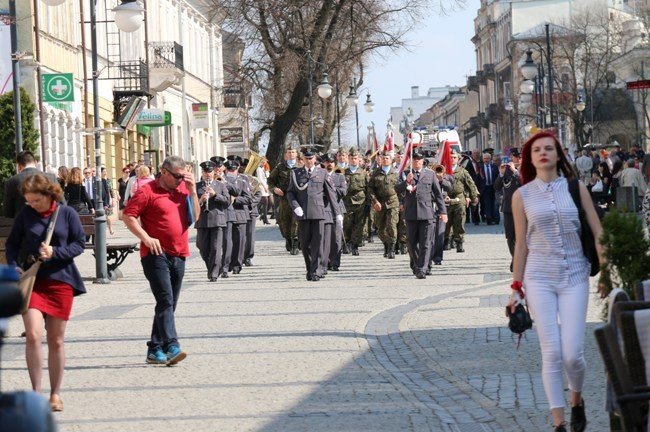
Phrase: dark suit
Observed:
(438, 243)
(309, 192)
(211, 225)
(14, 200)
(333, 234)
(231, 216)
(421, 209)
(487, 175)
(241, 207)
(249, 248)
(474, 174)
(508, 184)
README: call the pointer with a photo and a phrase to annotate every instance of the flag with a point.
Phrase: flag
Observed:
(374, 134)
(408, 149)
(445, 157)
(389, 144)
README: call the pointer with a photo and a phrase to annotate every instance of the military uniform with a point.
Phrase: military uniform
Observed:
(463, 188)
(446, 185)
(423, 205)
(381, 188)
(333, 241)
(355, 207)
(306, 194)
(241, 208)
(279, 178)
(249, 248)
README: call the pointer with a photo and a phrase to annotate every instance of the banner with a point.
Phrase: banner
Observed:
(231, 134)
(6, 83)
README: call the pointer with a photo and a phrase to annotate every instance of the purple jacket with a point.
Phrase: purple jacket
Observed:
(68, 241)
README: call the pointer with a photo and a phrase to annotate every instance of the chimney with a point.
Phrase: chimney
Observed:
(415, 92)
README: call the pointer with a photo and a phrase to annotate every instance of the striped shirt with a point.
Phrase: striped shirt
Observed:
(555, 255)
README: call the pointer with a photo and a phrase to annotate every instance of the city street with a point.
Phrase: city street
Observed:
(369, 348)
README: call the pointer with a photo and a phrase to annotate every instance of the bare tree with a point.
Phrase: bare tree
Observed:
(286, 39)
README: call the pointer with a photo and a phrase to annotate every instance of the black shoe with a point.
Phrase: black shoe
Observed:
(437, 262)
(309, 276)
(402, 248)
(295, 247)
(329, 266)
(396, 248)
(452, 243)
(224, 275)
(346, 249)
(420, 275)
(446, 246)
(459, 247)
(370, 239)
(355, 250)
(385, 250)
(428, 272)
(560, 428)
(236, 270)
(248, 262)
(578, 418)
(335, 268)
(287, 244)
(391, 252)
(213, 279)
(316, 278)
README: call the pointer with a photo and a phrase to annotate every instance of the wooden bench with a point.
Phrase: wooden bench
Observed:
(116, 253)
(5, 229)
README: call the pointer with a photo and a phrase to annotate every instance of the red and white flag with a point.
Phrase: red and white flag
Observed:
(389, 144)
(414, 140)
(445, 157)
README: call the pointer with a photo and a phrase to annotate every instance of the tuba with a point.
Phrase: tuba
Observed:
(253, 162)
(439, 169)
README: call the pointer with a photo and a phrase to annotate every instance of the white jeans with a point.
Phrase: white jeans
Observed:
(561, 344)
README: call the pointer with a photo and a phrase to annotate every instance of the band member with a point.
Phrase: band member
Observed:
(214, 199)
(355, 202)
(385, 202)
(309, 187)
(423, 205)
(241, 207)
(334, 245)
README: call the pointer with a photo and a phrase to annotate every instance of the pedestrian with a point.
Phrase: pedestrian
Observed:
(109, 199)
(166, 207)
(333, 237)
(241, 206)
(423, 205)
(309, 188)
(58, 280)
(507, 183)
(266, 200)
(385, 202)
(550, 268)
(89, 183)
(13, 199)
(488, 172)
(121, 187)
(75, 193)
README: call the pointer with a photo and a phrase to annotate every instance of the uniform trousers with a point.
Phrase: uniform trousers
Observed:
(249, 249)
(419, 234)
(238, 245)
(310, 233)
(209, 241)
(354, 225)
(562, 346)
(336, 245)
(509, 227)
(456, 220)
(387, 224)
(326, 245)
(227, 248)
(438, 242)
(287, 220)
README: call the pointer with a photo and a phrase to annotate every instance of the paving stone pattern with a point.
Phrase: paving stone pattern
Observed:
(369, 348)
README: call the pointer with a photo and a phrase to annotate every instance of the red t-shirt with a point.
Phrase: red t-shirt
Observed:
(163, 215)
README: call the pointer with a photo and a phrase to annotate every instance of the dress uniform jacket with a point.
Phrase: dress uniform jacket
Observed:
(280, 176)
(242, 202)
(213, 210)
(310, 192)
(427, 202)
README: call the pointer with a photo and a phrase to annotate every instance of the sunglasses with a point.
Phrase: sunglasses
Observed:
(176, 176)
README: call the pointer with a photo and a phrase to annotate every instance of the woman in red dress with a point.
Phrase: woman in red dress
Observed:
(58, 280)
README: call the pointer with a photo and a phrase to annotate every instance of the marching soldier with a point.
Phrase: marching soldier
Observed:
(400, 246)
(214, 199)
(446, 185)
(278, 183)
(308, 189)
(355, 202)
(241, 206)
(342, 158)
(385, 202)
(423, 205)
(334, 244)
(463, 193)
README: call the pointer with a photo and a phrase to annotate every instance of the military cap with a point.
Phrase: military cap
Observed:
(233, 164)
(489, 150)
(453, 152)
(417, 154)
(342, 150)
(218, 160)
(309, 151)
(383, 153)
(515, 152)
(207, 166)
(353, 152)
(329, 157)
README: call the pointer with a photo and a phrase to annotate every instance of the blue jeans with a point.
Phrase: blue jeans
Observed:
(165, 274)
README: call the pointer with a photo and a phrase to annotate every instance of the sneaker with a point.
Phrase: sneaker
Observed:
(156, 356)
(174, 355)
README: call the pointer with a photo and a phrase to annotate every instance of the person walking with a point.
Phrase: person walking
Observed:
(463, 193)
(385, 202)
(58, 279)
(355, 203)
(308, 190)
(550, 268)
(446, 182)
(507, 183)
(266, 201)
(278, 184)
(75, 193)
(166, 208)
(26, 167)
(423, 204)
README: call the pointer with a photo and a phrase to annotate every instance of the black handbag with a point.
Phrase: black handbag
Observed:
(519, 321)
(586, 236)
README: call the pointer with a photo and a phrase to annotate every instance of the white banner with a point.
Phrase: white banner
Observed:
(6, 75)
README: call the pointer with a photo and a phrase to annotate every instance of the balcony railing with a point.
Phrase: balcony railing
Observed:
(166, 55)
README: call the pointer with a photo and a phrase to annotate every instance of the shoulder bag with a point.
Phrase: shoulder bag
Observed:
(586, 236)
(27, 279)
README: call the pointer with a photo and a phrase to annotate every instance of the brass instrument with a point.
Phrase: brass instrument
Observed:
(253, 162)
(439, 169)
(339, 170)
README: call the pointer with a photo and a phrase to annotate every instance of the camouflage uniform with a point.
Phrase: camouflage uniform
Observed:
(381, 188)
(286, 219)
(463, 187)
(355, 202)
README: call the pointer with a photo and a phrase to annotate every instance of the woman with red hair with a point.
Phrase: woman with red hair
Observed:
(552, 270)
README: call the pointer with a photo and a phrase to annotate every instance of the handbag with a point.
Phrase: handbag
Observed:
(27, 279)
(586, 236)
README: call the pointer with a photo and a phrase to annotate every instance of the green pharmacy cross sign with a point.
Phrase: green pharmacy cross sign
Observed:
(58, 87)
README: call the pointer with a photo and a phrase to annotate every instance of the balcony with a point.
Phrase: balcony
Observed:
(472, 83)
(166, 64)
(494, 112)
(488, 71)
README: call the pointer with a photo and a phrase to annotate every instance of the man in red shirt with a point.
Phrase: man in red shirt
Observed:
(166, 207)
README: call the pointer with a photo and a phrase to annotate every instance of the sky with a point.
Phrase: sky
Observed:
(441, 54)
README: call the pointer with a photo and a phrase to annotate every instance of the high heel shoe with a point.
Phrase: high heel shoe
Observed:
(56, 404)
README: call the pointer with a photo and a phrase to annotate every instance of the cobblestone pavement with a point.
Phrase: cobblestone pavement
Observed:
(369, 348)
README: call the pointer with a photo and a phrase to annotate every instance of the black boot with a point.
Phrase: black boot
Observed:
(452, 243)
(560, 428)
(287, 244)
(447, 246)
(355, 250)
(370, 239)
(396, 248)
(295, 247)
(402, 248)
(578, 418)
(346, 248)
(391, 251)
(385, 250)
(459, 247)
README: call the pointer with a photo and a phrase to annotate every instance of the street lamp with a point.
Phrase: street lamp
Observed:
(580, 104)
(369, 106)
(529, 72)
(126, 19)
(352, 100)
